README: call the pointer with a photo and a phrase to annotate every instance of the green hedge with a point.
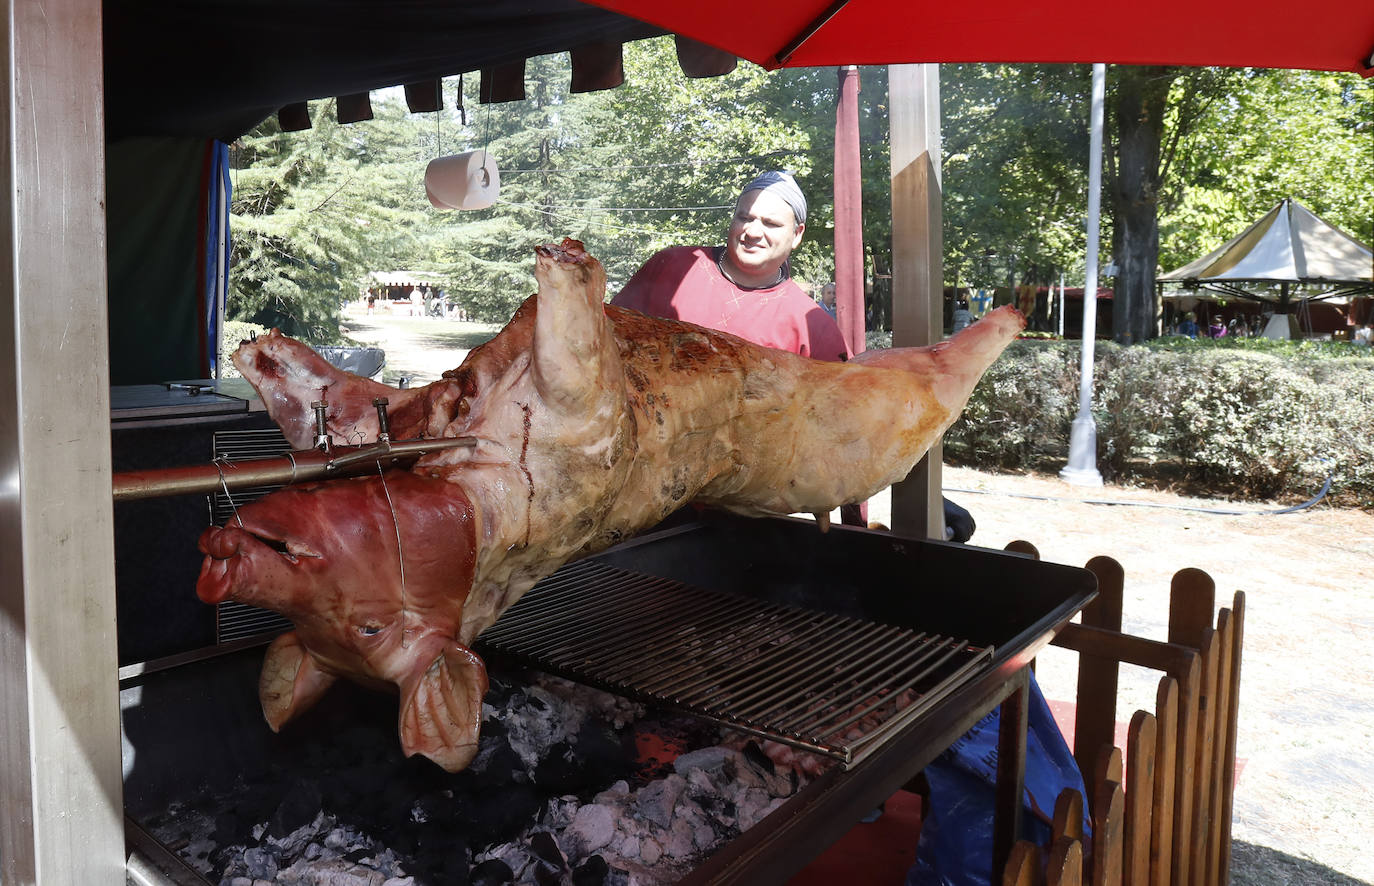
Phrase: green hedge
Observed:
(1250, 419)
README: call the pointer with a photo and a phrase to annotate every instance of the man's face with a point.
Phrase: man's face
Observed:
(763, 234)
(828, 294)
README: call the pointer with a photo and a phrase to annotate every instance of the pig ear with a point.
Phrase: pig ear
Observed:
(441, 707)
(290, 680)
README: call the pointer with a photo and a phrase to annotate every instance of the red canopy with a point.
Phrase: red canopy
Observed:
(1331, 35)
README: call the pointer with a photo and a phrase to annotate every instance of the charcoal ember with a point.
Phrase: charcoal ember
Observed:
(754, 754)
(711, 759)
(330, 872)
(294, 843)
(595, 756)
(680, 844)
(592, 872)
(592, 828)
(749, 805)
(296, 810)
(260, 863)
(496, 764)
(503, 815)
(492, 872)
(627, 846)
(699, 783)
(614, 795)
(657, 799)
(650, 851)
(545, 847)
(739, 770)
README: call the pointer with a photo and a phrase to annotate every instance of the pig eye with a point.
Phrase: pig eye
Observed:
(369, 630)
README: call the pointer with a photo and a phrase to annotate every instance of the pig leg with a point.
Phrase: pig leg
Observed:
(290, 682)
(441, 707)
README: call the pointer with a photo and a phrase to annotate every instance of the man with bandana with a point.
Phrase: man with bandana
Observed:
(744, 287)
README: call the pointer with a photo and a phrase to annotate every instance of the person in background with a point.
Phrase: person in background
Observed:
(962, 316)
(1188, 326)
(743, 287)
(1217, 328)
(828, 299)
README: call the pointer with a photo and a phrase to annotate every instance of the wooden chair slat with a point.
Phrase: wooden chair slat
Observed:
(1219, 776)
(1162, 813)
(1202, 779)
(1108, 827)
(1192, 600)
(1065, 865)
(1232, 719)
(1140, 788)
(1185, 762)
(1068, 815)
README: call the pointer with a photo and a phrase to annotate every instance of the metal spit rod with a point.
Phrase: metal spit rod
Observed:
(293, 467)
(325, 460)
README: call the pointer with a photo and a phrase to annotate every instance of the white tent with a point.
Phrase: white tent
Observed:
(1289, 246)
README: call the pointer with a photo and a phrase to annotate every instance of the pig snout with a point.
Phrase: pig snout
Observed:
(220, 546)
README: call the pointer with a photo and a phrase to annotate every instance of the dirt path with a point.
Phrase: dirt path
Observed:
(420, 348)
(1303, 810)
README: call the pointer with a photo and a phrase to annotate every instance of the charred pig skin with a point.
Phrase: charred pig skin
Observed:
(592, 423)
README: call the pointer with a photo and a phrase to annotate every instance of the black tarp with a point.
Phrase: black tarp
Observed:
(216, 68)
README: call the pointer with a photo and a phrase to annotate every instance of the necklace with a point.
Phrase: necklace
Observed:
(720, 263)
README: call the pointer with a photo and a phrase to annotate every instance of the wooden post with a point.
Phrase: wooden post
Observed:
(1095, 714)
(917, 275)
(61, 804)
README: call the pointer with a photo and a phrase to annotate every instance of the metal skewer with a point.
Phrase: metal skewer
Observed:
(295, 467)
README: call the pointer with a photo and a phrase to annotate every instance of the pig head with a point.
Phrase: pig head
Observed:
(373, 572)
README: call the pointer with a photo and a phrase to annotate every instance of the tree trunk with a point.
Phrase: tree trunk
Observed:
(1141, 97)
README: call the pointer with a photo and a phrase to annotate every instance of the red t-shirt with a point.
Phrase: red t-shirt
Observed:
(684, 283)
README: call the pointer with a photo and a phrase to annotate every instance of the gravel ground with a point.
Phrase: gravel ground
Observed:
(1306, 734)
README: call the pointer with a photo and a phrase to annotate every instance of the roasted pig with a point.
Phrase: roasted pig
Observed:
(592, 423)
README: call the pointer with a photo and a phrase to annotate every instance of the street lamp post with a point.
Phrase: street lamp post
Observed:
(1082, 467)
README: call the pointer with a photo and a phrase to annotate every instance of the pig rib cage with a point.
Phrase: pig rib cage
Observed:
(746, 664)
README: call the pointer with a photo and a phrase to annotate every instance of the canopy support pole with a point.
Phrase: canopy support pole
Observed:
(917, 277)
(61, 795)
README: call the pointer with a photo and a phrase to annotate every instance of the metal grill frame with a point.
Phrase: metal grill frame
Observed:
(743, 663)
(238, 621)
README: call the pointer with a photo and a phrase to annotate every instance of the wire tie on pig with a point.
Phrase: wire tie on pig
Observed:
(219, 463)
(400, 555)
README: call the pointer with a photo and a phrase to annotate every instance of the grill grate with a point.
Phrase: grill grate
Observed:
(237, 621)
(827, 683)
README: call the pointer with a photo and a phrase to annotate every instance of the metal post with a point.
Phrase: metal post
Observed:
(917, 277)
(1082, 467)
(61, 804)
